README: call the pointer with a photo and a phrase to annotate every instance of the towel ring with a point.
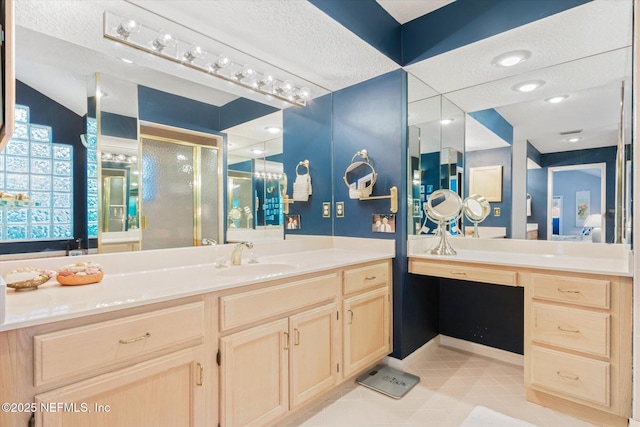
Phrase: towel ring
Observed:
(304, 164)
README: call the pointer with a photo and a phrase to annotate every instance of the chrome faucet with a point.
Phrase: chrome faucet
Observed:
(208, 242)
(236, 255)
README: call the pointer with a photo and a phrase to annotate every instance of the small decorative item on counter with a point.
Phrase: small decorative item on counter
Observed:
(80, 273)
(27, 279)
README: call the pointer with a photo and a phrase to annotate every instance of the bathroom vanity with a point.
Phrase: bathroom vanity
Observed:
(169, 339)
(577, 316)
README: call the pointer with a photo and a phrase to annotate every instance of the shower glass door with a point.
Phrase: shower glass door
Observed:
(179, 193)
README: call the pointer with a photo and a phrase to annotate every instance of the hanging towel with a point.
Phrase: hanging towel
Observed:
(302, 188)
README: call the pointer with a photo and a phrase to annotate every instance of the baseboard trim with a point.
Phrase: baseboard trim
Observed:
(403, 364)
(482, 350)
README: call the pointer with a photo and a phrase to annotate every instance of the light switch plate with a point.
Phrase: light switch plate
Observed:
(326, 210)
(496, 211)
(339, 209)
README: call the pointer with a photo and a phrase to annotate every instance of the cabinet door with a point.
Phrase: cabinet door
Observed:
(366, 329)
(254, 375)
(313, 366)
(166, 391)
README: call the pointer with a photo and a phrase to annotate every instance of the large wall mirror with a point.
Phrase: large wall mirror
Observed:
(563, 108)
(133, 90)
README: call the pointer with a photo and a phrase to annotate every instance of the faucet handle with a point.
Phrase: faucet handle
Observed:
(208, 242)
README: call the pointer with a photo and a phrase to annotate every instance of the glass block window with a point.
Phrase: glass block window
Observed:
(32, 164)
(92, 177)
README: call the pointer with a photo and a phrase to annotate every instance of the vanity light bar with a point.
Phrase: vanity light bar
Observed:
(192, 55)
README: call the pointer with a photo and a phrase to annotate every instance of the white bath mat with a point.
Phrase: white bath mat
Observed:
(485, 417)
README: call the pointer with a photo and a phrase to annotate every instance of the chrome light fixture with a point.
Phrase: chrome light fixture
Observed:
(163, 44)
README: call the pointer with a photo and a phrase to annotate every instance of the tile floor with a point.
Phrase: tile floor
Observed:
(451, 384)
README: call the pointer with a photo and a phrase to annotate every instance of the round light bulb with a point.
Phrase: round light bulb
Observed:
(127, 27)
(194, 52)
(163, 40)
(304, 93)
(287, 86)
(272, 129)
(574, 139)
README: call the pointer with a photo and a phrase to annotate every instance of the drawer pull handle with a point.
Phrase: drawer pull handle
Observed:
(370, 278)
(297, 339)
(140, 338)
(573, 331)
(568, 377)
(567, 291)
(286, 346)
(351, 318)
(458, 273)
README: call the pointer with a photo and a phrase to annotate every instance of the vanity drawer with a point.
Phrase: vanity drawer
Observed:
(76, 351)
(466, 272)
(370, 276)
(574, 290)
(247, 307)
(571, 328)
(573, 376)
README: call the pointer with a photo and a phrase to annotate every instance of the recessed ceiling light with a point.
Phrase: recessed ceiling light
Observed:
(101, 94)
(528, 86)
(510, 59)
(272, 129)
(446, 121)
(556, 99)
(574, 139)
(257, 151)
(126, 60)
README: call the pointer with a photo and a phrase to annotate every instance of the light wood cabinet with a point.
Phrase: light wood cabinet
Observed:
(365, 329)
(254, 375)
(270, 369)
(577, 337)
(167, 391)
(578, 344)
(314, 353)
(315, 338)
(282, 346)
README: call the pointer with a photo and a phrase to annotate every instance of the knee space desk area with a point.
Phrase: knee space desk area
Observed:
(577, 316)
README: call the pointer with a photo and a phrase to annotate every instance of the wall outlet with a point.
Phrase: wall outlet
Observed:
(339, 209)
(326, 210)
(496, 211)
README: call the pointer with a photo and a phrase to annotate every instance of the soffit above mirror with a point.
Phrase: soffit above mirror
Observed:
(294, 35)
(569, 54)
(80, 25)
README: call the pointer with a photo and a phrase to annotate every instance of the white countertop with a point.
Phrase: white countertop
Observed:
(596, 258)
(139, 278)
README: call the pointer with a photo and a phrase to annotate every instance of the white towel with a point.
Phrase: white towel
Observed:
(302, 188)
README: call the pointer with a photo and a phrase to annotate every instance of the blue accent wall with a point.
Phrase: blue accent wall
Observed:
(497, 124)
(162, 107)
(242, 110)
(308, 136)
(466, 21)
(67, 127)
(534, 154)
(492, 157)
(118, 125)
(369, 21)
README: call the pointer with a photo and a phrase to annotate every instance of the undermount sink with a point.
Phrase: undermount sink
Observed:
(256, 270)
